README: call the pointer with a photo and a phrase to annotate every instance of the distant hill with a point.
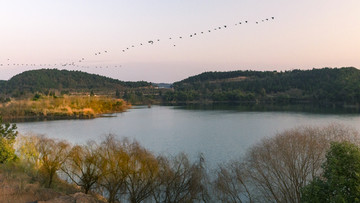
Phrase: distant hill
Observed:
(327, 85)
(323, 86)
(53, 79)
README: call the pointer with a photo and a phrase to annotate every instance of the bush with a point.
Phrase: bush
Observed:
(7, 152)
(8, 134)
(36, 97)
(340, 181)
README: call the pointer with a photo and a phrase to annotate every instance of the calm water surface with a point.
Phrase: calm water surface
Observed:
(221, 135)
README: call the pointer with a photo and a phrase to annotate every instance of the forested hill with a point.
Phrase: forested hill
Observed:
(45, 79)
(327, 85)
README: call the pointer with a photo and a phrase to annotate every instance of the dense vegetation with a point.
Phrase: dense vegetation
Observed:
(52, 107)
(338, 85)
(52, 80)
(8, 134)
(340, 181)
(305, 164)
(317, 86)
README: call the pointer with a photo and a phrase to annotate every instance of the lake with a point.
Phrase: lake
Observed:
(221, 133)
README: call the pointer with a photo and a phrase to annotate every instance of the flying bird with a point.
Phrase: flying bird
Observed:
(150, 42)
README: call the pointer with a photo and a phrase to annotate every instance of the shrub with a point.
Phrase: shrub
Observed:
(8, 134)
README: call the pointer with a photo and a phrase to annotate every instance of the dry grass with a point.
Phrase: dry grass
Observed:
(18, 184)
(64, 107)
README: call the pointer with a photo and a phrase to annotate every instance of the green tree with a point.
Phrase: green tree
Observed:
(341, 177)
(117, 94)
(8, 134)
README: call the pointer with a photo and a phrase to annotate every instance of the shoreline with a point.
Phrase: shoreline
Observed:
(244, 106)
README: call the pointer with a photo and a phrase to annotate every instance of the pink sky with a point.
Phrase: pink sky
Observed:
(305, 34)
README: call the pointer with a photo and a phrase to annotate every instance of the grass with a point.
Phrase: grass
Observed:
(22, 184)
(62, 107)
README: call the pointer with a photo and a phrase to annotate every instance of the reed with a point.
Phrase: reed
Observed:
(62, 107)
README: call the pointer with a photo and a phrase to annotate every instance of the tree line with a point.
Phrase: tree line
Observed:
(337, 85)
(45, 80)
(325, 86)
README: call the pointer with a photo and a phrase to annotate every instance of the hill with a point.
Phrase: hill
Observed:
(63, 80)
(327, 85)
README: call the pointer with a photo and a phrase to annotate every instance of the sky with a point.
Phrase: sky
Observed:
(304, 34)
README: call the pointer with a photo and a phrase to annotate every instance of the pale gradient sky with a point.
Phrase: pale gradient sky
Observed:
(305, 34)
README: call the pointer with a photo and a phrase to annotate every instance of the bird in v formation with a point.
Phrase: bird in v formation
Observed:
(151, 42)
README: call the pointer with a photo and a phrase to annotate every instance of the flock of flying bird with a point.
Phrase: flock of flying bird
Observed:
(81, 62)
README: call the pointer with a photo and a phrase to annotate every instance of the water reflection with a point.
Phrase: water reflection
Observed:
(296, 108)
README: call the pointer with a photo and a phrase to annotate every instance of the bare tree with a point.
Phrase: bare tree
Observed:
(113, 164)
(83, 166)
(232, 183)
(52, 154)
(174, 180)
(142, 168)
(280, 166)
(200, 181)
